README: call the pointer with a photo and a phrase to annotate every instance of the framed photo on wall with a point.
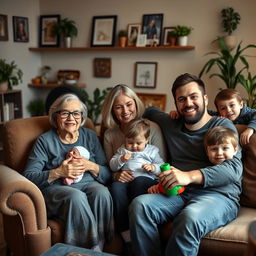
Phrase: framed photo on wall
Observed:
(145, 74)
(20, 29)
(103, 30)
(47, 37)
(166, 38)
(152, 27)
(102, 67)
(134, 30)
(153, 99)
(3, 27)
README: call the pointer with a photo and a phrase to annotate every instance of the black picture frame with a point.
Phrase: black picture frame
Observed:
(152, 27)
(103, 30)
(165, 34)
(20, 29)
(145, 75)
(46, 36)
(3, 27)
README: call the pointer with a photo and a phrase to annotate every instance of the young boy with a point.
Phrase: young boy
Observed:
(229, 104)
(144, 161)
(221, 143)
(76, 152)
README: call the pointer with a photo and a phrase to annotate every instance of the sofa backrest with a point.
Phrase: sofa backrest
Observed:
(248, 197)
(20, 135)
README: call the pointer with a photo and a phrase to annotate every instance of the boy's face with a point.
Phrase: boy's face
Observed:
(136, 144)
(221, 152)
(230, 108)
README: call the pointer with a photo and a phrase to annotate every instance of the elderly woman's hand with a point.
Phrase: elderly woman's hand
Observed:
(124, 176)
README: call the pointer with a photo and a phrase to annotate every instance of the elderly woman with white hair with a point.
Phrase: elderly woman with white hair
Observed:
(85, 208)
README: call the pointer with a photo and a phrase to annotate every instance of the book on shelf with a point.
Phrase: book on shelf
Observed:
(8, 111)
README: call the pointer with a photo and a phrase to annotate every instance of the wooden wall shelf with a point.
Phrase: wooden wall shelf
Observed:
(116, 48)
(51, 85)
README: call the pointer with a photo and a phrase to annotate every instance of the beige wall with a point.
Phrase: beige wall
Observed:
(202, 15)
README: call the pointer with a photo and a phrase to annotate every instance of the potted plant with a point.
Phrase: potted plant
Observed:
(94, 105)
(182, 33)
(172, 37)
(230, 64)
(67, 29)
(122, 35)
(249, 83)
(36, 107)
(230, 20)
(10, 75)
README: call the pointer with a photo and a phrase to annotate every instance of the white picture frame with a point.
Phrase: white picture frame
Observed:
(141, 40)
(145, 74)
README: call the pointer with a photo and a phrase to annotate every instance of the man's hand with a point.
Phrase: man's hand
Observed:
(175, 177)
(154, 189)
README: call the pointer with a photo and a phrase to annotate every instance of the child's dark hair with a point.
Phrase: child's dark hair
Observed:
(227, 94)
(220, 135)
(137, 127)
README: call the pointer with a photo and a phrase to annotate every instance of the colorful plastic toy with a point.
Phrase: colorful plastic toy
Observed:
(169, 192)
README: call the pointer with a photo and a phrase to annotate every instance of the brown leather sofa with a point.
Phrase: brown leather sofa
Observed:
(28, 232)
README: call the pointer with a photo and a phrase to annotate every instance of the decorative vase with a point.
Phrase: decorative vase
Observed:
(122, 41)
(230, 41)
(4, 86)
(183, 40)
(67, 42)
(172, 41)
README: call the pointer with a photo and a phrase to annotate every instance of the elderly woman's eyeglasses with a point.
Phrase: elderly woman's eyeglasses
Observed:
(65, 114)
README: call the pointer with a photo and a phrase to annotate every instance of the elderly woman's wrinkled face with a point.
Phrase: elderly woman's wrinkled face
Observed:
(70, 117)
(124, 108)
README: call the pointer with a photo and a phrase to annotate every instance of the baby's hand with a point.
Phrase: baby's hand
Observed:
(149, 167)
(154, 189)
(126, 157)
(174, 114)
(245, 136)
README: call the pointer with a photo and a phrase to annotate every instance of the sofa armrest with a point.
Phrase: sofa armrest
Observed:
(20, 196)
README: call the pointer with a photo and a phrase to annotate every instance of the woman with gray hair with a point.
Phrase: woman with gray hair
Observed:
(84, 208)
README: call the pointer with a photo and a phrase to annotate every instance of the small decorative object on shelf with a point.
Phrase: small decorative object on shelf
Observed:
(10, 75)
(45, 71)
(182, 33)
(122, 36)
(69, 77)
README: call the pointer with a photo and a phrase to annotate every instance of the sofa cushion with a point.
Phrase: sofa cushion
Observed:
(236, 230)
(248, 197)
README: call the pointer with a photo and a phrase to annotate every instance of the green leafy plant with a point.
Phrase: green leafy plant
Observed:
(94, 105)
(230, 20)
(171, 34)
(182, 30)
(10, 72)
(249, 83)
(230, 64)
(66, 28)
(122, 33)
(36, 107)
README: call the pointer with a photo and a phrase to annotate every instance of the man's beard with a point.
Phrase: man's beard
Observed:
(194, 119)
